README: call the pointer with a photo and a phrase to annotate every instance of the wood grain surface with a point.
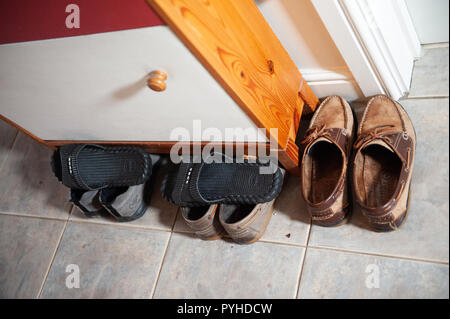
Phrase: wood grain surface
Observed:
(235, 43)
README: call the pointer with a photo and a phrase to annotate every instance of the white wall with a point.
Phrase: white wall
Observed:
(430, 19)
(303, 34)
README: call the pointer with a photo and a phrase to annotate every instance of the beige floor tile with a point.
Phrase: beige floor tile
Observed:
(27, 184)
(194, 268)
(27, 246)
(159, 215)
(333, 274)
(7, 135)
(113, 262)
(425, 234)
(430, 76)
(290, 221)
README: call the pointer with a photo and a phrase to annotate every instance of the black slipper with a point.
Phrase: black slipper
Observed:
(90, 166)
(205, 183)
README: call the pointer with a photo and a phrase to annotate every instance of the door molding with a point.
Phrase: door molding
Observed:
(376, 39)
(325, 82)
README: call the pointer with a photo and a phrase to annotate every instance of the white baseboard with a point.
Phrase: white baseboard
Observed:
(337, 81)
(349, 90)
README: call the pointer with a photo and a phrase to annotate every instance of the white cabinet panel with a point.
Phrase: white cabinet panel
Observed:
(94, 88)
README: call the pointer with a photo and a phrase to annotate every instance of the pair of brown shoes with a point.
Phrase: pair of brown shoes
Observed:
(245, 224)
(382, 149)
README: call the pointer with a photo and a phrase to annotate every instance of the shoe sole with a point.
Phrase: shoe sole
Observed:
(216, 237)
(341, 222)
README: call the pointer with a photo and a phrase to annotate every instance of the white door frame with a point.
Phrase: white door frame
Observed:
(376, 39)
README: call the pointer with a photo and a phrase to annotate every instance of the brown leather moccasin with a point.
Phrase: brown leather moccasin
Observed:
(324, 166)
(246, 223)
(383, 163)
(204, 221)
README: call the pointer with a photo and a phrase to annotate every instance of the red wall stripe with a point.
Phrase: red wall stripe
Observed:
(28, 20)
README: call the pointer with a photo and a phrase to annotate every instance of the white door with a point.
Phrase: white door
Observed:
(430, 19)
(377, 40)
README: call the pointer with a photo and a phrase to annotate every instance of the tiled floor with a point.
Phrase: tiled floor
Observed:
(45, 242)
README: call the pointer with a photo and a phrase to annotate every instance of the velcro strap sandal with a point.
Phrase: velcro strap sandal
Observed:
(92, 167)
(207, 183)
(87, 201)
(126, 203)
(129, 203)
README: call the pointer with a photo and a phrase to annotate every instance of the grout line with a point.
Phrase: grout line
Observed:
(126, 226)
(425, 97)
(175, 219)
(15, 138)
(121, 225)
(281, 243)
(99, 222)
(54, 255)
(9, 150)
(429, 261)
(71, 211)
(303, 261)
(435, 45)
(68, 220)
(152, 293)
(37, 217)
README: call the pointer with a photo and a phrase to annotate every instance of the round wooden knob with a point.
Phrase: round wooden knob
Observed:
(156, 81)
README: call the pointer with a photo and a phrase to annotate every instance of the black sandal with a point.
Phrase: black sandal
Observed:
(196, 184)
(91, 167)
